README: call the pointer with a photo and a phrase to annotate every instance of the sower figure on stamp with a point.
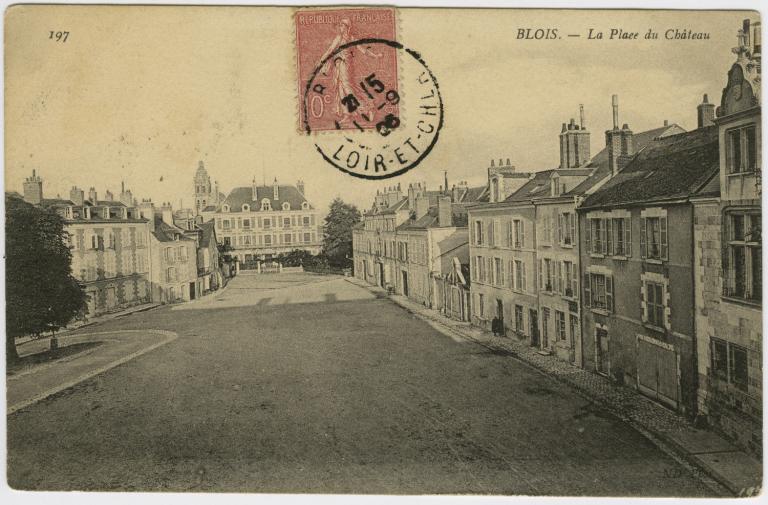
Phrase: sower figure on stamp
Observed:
(341, 67)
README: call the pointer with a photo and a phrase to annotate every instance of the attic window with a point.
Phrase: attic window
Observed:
(225, 208)
(246, 207)
(286, 206)
(265, 205)
(305, 205)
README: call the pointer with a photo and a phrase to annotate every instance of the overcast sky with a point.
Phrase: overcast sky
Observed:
(140, 93)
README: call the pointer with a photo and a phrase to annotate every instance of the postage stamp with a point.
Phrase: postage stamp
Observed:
(349, 79)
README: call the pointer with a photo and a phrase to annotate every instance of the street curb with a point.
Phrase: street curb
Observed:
(704, 474)
(170, 336)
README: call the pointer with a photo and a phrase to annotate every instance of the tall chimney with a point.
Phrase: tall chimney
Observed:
(445, 175)
(613, 138)
(33, 189)
(444, 213)
(615, 103)
(93, 196)
(705, 112)
(581, 115)
(422, 206)
(167, 213)
(147, 211)
(300, 186)
(574, 143)
(275, 190)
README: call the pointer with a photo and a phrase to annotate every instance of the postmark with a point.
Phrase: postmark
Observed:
(394, 145)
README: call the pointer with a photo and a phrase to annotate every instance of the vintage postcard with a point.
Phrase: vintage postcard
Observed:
(383, 250)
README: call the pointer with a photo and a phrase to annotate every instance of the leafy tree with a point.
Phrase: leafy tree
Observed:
(41, 293)
(337, 233)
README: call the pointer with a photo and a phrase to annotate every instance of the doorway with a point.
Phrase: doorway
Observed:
(500, 316)
(533, 323)
(603, 360)
(405, 283)
(381, 275)
(191, 290)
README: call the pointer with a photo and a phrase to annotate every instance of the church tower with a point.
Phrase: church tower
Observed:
(204, 195)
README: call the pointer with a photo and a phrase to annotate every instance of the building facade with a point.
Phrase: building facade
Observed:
(110, 246)
(728, 238)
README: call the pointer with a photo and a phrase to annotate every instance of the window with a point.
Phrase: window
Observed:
(170, 274)
(286, 222)
(621, 237)
(246, 207)
(265, 204)
(304, 205)
(498, 272)
(267, 222)
(247, 224)
(306, 241)
(654, 304)
(305, 220)
(566, 228)
(478, 229)
(597, 236)
(480, 268)
(653, 237)
(519, 234)
(519, 275)
(546, 232)
(574, 320)
(182, 253)
(519, 323)
(560, 325)
(741, 150)
(169, 256)
(598, 291)
(227, 241)
(729, 363)
(545, 324)
(267, 239)
(480, 305)
(247, 240)
(140, 238)
(225, 208)
(742, 262)
(569, 279)
(286, 206)
(287, 238)
(227, 224)
(546, 275)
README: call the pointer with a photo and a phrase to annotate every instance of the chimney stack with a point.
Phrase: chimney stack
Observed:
(147, 211)
(108, 196)
(33, 189)
(77, 196)
(619, 142)
(93, 196)
(275, 190)
(581, 115)
(615, 103)
(167, 213)
(574, 143)
(444, 213)
(422, 206)
(300, 187)
(705, 112)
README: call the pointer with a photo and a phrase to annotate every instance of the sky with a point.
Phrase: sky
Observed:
(142, 94)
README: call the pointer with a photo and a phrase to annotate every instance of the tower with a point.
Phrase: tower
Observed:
(33, 189)
(203, 193)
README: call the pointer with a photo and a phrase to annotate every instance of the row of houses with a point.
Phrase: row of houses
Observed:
(641, 263)
(127, 253)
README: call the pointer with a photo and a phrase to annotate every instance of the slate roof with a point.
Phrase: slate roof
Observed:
(402, 204)
(242, 195)
(672, 167)
(167, 233)
(429, 220)
(599, 162)
(538, 186)
(103, 203)
(53, 202)
(207, 229)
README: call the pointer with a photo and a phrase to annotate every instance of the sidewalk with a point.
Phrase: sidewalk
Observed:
(38, 382)
(714, 460)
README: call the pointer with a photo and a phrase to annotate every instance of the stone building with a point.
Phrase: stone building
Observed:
(109, 242)
(728, 252)
(260, 222)
(636, 243)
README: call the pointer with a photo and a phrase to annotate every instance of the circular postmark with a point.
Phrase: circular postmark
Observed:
(375, 114)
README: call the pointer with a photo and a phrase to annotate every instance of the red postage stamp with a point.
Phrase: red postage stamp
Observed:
(353, 72)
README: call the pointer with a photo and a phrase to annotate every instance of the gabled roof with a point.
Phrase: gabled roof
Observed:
(672, 167)
(473, 194)
(428, 220)
(208, 231)
(165, 232)
(244, 195)
(401, 205)
(538, 186)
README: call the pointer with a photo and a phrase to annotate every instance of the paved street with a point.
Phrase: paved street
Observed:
(304, 383)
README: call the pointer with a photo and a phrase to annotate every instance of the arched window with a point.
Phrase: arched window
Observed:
(305, 205)
(225, 208)
(286, 206)
(246, 207)
(265, 205)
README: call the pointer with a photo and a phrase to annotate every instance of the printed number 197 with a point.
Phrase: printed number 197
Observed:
(58, 36)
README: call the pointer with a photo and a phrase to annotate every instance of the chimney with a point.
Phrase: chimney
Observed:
(167, 213)
(444, 211)
(581, 115)
(300, 187)
(613, 138)
(574, 143)
(455, 194)
(422, 206)
(108, 196)
(147, 211)
(445, 176)
(254, 191)
(33, 189)
(275, 190)
(705, 112)
(77, 196)
(411, 197)
(93, 196)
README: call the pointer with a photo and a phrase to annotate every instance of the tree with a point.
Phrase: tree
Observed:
(41, 293)
(337, 233)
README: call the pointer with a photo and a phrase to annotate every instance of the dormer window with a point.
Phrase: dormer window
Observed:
(286, 206)
(246, 207)
(305, 205)
(225, 208)
(265, 205)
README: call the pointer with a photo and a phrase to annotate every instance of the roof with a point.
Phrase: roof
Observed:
(103, 203)
(538, 186)
(165, 232)
(473, 194)
(208, 230)
(428, 220)
(53, 202)
(599, 162)
(675, 166)
(401, 205)
(244, 195)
